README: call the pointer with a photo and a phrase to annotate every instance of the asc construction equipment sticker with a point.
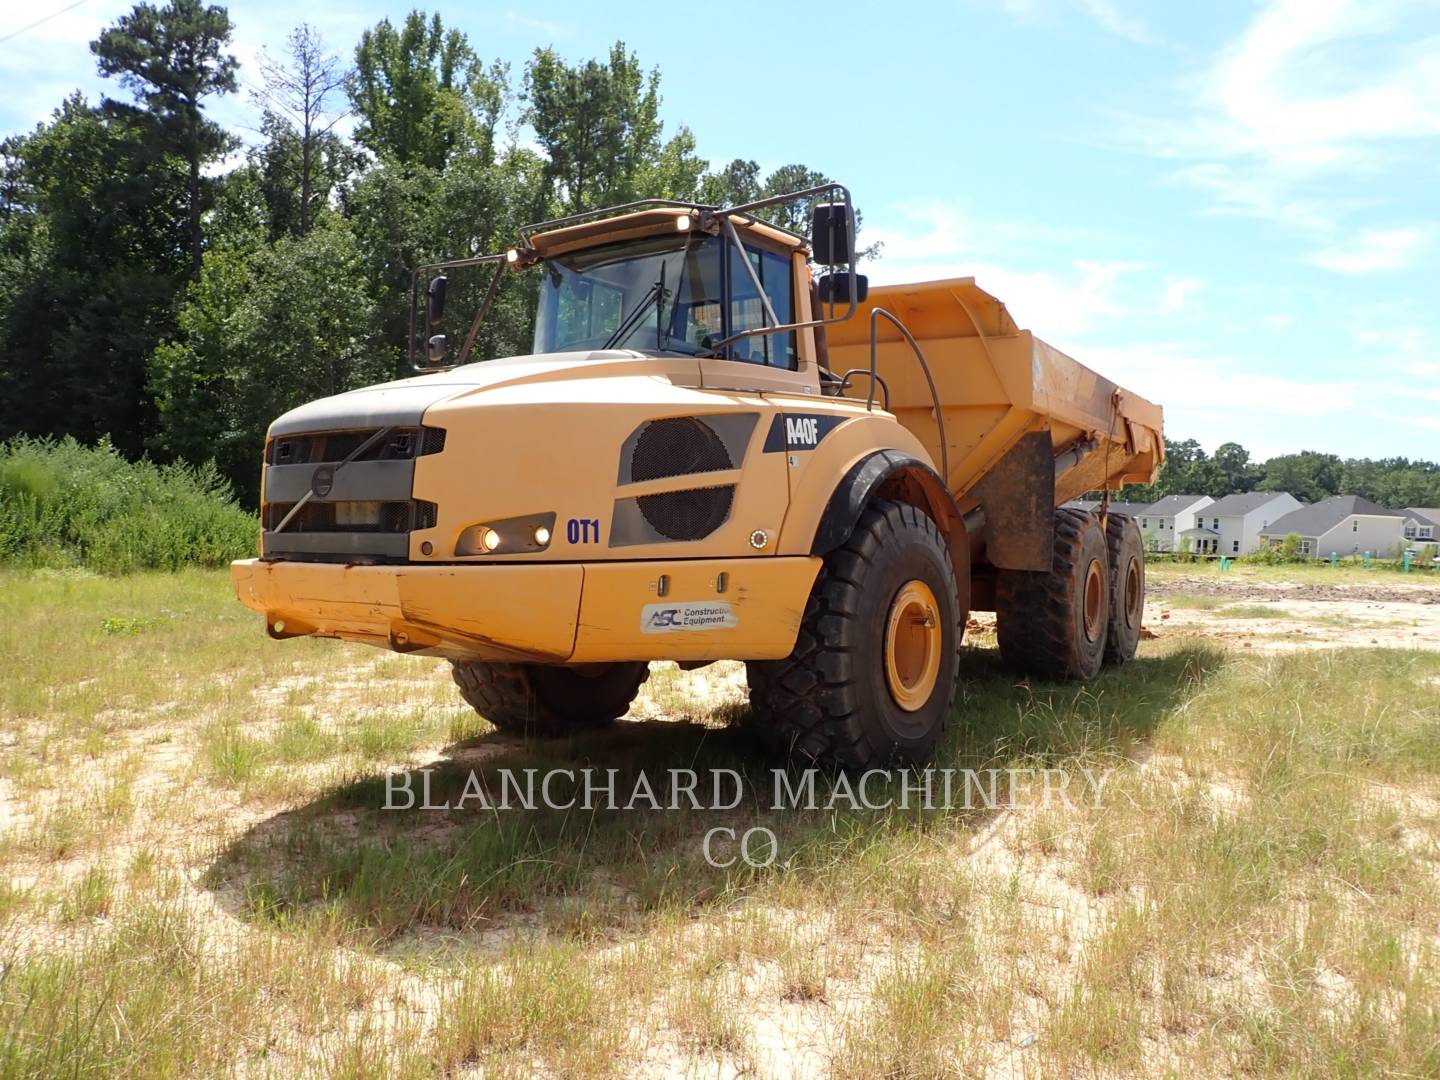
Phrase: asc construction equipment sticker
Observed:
(702, 615)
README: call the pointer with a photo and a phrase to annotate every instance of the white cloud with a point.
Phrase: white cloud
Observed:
(933, 242)
(1309, 91)
(1105, 13)
(1375, 251)
(1178, 291)
(550, 28)
(1118, 23)
(1177, 374)
(1310, 81)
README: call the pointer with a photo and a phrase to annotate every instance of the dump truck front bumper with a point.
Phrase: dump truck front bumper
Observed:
(693, 609)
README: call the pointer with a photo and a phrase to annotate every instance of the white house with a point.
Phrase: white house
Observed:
(1162, 522)
(1422, 524)
(1116, 506)
(1340, 525)
(1232, 525)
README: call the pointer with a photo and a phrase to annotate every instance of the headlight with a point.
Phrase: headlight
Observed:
(509, 536)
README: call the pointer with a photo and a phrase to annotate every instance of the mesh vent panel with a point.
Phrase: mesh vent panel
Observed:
(688, 515)
(677, 447)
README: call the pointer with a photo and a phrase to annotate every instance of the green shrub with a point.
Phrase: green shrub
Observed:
(1286, 553)
(64, 504)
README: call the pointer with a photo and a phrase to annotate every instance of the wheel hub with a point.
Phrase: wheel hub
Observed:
(1134, 595)
(1094, 601)
(913, 641)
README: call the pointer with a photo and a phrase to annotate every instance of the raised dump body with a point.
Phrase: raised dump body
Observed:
(996, 384)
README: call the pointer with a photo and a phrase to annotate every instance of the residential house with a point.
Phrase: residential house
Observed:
(1422, 524)
(1340, 525)
(1161, 523)
(1116, 507)
(1232, 525)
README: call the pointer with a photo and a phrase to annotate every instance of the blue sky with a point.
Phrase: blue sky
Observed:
(1232, 208)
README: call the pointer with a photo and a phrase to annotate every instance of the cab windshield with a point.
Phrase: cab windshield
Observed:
(664, 294)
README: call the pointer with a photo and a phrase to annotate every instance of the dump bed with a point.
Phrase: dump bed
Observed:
(997, 383)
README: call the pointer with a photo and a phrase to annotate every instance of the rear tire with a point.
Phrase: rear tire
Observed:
(1127, 588)
(542, 700)
(872, 677)
(1053, 624)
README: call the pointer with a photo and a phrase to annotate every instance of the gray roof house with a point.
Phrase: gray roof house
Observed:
(1116, 507)
(1340, 525)
(1422, 523)
(1161, 523)
(1171, 505)
(1232, 525)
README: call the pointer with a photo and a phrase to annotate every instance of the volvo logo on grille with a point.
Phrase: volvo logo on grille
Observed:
(322, 480)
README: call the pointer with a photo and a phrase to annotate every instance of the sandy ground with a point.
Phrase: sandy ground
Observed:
(1276, 617)
(1297, 615)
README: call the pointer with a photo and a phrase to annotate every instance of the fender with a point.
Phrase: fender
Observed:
(894, 472)
(864, 480)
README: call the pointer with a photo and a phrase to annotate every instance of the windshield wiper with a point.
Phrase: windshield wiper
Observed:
(631, 322)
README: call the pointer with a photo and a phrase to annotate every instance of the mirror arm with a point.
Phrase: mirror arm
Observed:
(414, 299)
(485, 306)
(729, 227)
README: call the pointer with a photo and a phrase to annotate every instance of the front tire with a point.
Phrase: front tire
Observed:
(543, 700)
(872, 678)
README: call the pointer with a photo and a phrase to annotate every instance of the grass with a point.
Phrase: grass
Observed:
(202, 879)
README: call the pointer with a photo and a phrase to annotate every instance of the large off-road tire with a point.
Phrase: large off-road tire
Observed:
(544, 700)
(872, 678)
(1053, 623)
(1127, 588)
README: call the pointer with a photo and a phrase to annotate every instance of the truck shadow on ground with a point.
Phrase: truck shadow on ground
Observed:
(494, 854)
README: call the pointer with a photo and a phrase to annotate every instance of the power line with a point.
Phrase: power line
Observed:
(41, 22)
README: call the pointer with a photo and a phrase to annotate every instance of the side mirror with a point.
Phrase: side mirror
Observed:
(831, 226)
(435, 299)
(835, 288)
(436, 347)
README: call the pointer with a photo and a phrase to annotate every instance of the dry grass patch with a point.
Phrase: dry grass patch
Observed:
(201, 878)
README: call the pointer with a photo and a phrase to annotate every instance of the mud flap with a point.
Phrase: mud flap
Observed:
(1018, 499)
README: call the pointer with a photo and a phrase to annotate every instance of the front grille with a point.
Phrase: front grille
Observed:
(324, 447)
(350, 517)
(688, 515)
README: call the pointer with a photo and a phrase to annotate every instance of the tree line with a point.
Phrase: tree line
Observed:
(1309, 475)
(168, 285)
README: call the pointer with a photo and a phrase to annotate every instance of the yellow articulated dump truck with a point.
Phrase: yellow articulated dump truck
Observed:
(723, 445)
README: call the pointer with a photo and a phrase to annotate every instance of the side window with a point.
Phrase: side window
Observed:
(748, 312)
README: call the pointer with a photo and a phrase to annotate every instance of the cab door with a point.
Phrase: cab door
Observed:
(768, 362)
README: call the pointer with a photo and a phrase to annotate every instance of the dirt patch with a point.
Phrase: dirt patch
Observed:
(1287, 616)
(1421, 593)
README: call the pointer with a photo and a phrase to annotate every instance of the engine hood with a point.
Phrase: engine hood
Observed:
(403, 403)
